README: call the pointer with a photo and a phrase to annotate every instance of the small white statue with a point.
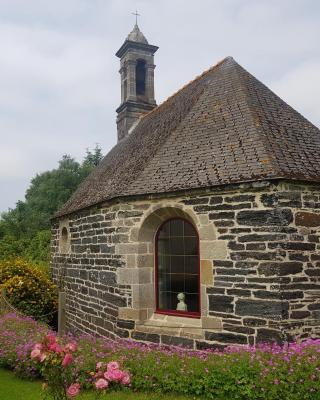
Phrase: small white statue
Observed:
(181, 306)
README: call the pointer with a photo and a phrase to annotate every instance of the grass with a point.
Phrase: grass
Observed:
(13, 388)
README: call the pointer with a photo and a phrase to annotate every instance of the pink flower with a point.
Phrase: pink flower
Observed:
(125, 378)
(38, 346)
(113, 365)
(116, 375)
(35, 353)
(68, 358)
(101, 384)
(42, 357)
(73, 390)
(55, 347)
(99, 365)
(70, 347)
(51, 339)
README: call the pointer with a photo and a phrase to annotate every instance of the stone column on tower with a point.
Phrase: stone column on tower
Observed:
(150, 82)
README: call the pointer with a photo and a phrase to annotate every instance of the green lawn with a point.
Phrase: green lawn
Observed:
(13, 388)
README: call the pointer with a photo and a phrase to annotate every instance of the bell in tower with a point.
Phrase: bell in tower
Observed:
(137, 80)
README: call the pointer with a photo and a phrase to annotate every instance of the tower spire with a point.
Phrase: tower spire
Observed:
(137, 79)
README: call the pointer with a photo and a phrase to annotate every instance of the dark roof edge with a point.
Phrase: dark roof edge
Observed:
(254, 184)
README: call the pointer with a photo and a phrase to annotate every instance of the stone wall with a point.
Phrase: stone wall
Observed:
(259, 269)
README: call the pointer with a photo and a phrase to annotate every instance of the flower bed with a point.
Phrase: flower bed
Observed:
(265, 372)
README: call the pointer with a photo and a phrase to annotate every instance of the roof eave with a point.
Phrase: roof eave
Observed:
(178, 192)
(129, 44)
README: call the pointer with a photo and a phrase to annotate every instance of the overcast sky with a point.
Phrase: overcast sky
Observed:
(59, 80)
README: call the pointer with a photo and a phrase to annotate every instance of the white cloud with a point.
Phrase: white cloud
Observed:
(12, 162)
(300, 88)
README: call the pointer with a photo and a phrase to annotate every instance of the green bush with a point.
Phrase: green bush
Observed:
(11, 247)
(28, 289)
(38, 250)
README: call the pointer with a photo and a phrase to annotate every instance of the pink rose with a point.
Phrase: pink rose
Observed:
(38, 346)
(73, 390)
(35, 353)
(71, 347)
(55, 347)
(51, 339)
(68, 358)
(125, 378)
(116, 375)
(99, 365)
(101, 384)
(112, 365)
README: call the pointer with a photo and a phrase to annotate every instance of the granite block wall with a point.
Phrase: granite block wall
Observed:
(259, 268)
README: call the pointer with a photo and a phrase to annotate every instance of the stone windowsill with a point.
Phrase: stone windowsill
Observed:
(172, 325)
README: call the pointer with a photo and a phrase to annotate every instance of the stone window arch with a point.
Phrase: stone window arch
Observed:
(177, 272)
(143, 289)
(64, 238)
(140, 274)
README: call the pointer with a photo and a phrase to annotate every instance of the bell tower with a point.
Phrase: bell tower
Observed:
(137, 80)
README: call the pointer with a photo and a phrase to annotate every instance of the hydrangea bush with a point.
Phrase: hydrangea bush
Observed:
(265, 372)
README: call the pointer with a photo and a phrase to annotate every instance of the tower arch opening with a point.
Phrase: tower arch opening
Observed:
(141, 77)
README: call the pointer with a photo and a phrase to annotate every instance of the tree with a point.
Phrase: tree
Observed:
(24, 230)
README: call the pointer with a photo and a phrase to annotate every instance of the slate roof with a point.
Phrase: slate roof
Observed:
(224, 127)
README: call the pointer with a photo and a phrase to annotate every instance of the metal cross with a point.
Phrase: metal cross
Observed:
(137, 15)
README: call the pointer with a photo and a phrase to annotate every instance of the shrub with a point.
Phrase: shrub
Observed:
(38, 250)
(11, 247)
(28, 289)
(12, 267)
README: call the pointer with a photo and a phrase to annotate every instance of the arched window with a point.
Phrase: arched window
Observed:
(141, 78)
(64, 240)
(177, 268)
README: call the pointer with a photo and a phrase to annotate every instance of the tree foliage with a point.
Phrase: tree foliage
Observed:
(25, 229)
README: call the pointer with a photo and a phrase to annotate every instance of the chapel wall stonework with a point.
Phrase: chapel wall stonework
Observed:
(259, 266)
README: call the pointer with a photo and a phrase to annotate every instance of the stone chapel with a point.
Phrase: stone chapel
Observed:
(201, 227)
